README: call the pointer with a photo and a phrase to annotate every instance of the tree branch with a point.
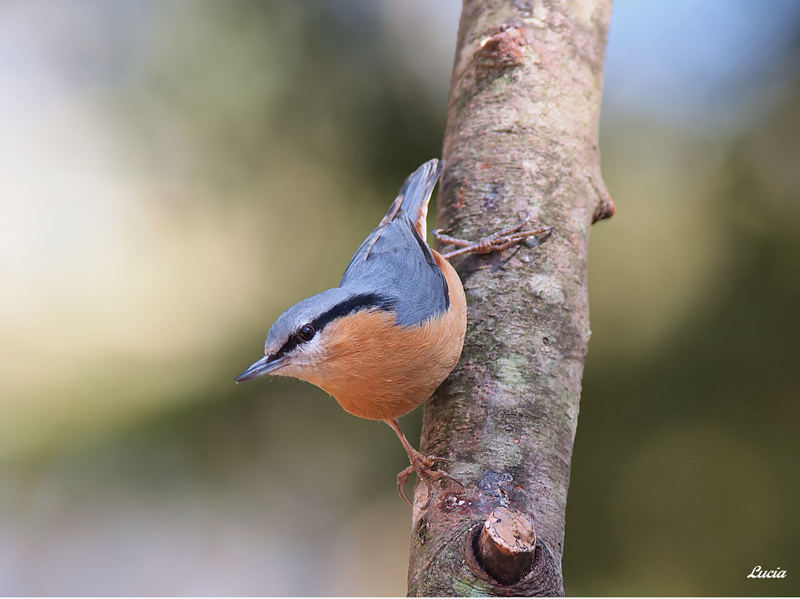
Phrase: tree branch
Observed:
(521, 137)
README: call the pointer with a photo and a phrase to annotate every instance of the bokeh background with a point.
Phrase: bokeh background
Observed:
(174, 174)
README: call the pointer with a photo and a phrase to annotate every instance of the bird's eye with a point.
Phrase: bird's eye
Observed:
(306, 332)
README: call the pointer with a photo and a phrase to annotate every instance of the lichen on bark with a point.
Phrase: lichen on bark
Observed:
(521, 137)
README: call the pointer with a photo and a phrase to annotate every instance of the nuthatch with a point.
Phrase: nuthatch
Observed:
(390, 333)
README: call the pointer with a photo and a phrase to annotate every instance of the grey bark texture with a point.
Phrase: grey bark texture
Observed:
(521, 137)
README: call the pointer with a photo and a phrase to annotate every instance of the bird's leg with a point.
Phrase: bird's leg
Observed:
(496, 242)
(422, 465)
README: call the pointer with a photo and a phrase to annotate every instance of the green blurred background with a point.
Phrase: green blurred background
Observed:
(174, 174)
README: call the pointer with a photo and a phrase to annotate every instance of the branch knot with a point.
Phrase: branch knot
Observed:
(503, 47)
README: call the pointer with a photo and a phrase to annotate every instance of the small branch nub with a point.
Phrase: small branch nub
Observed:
(504, 46)
(506, 545)
(606, 208)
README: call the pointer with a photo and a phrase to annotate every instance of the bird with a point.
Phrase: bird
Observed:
(383, 340)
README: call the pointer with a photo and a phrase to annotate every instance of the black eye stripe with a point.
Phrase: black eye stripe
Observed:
(359, 302)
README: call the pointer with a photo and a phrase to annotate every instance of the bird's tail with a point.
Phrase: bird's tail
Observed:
(413, 199)
(415, 195)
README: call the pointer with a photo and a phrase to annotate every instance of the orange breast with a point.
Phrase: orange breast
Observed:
(378, 370)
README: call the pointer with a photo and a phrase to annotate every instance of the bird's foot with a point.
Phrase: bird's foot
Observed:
(423, 466)
(496, 242)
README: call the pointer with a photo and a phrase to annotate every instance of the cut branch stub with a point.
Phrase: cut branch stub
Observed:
(506, 545)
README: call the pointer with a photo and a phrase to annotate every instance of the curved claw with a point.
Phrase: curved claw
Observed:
(453, 478)
(402, 479)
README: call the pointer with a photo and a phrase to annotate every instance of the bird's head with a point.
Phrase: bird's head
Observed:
(301, 338)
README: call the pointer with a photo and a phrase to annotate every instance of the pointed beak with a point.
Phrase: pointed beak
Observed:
(261, 368)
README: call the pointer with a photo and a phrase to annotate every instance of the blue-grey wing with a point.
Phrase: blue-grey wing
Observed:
(399, 265)
(395, 260)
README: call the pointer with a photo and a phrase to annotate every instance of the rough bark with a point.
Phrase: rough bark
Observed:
(522, 134)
